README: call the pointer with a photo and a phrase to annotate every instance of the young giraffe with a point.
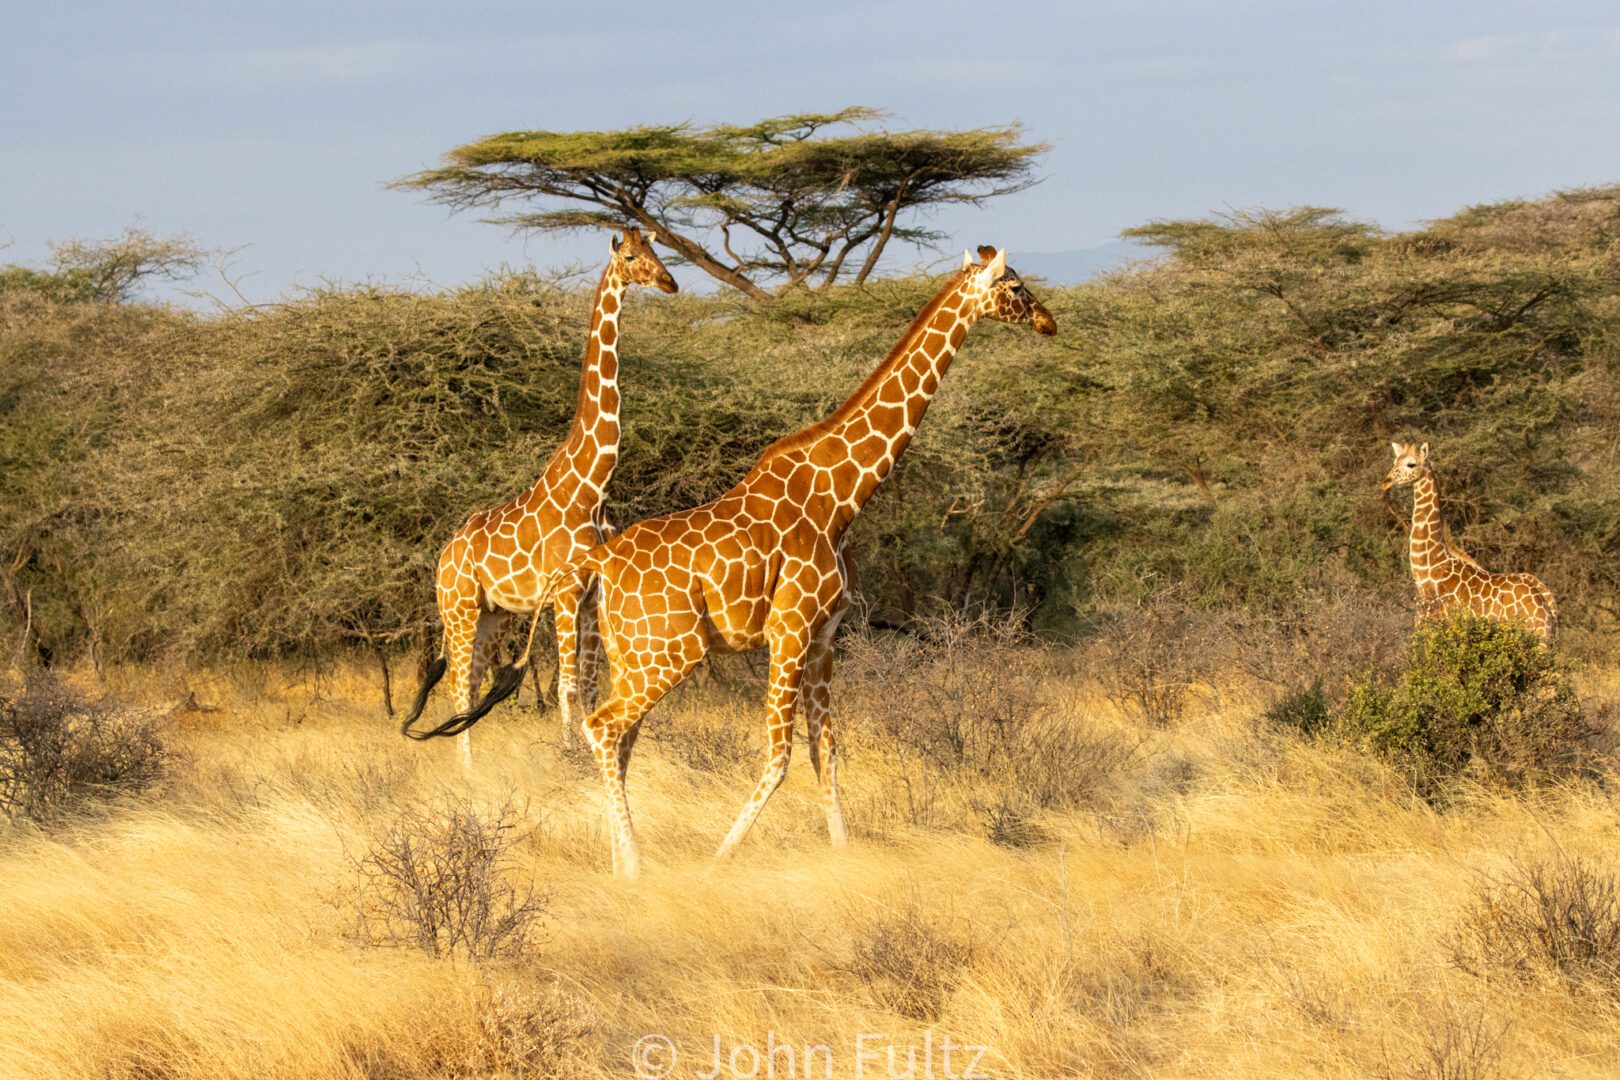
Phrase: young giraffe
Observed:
(764, 564)
(495, 565)
(1446, 576)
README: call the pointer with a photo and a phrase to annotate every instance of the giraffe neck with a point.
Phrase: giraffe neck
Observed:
(597, 414)
(587, 457)
(875, 425)
(1429, 556)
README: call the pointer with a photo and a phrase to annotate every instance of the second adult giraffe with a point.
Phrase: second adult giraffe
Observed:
(496, 565)
(1446, 576)
(763, 565)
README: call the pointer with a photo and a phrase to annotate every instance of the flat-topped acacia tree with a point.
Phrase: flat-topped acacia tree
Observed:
(774, 205)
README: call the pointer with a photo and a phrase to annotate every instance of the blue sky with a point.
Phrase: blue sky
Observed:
(273, 127)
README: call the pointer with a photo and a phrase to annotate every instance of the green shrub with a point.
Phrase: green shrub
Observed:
(1304, 709)
(276, 481)
(1475, 696)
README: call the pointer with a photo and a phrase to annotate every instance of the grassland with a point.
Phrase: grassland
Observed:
(1208, 897)
(1089, 851)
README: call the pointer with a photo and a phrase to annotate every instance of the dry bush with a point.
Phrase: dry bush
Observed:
(710, 734)
(514, 1027)
(1333, 638)
(910, 957)
(956, 686)
(1556, 918)
(441, 879)
(966, 701)
(525, 1030)
(1150, 655)
(1453, 1046)
(59, 750)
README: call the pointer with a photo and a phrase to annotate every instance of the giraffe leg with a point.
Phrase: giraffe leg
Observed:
(461, 624)
(612, 728)
(589, 654)
(490, 630)
(788, 654)
(817, 696)
(565, 616)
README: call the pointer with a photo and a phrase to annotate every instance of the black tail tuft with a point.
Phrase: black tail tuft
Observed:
(430, 677)
(505, 684)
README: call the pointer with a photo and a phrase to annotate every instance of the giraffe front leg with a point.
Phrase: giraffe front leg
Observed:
(565, 615)
(788, 656)
(608, 729)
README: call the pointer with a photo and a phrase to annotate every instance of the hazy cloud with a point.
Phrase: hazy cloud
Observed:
(1541, 46)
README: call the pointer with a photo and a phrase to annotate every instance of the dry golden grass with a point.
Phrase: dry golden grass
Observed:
(1229, 902)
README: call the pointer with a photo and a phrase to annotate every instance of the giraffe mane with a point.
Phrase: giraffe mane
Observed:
(1447, 544)
(1451, 547)
(876, 376)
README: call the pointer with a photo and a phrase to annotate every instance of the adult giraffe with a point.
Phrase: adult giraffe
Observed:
(496, 565)
(764, 563)
(1446, 576)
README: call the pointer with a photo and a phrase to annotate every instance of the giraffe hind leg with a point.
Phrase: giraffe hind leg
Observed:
(492, 628)
(566, 614)
(788, 655)
(817, 695)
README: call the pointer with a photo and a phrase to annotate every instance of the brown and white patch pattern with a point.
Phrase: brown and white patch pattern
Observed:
(1446, 577)
(764, 565)
(496, 564)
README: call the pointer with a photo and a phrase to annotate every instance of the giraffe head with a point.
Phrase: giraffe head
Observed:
(636, 263)
(1002, 295)
(1411, 462)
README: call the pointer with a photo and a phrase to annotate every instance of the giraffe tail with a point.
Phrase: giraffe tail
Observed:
(508, 677)
(430, 678)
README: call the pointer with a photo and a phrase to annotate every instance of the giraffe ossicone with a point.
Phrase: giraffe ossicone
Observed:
(1447, 577)
(494, 568)
(764, 564)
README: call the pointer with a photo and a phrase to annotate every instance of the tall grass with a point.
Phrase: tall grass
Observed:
(1228, 900)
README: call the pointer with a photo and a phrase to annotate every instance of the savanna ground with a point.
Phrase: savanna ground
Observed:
(1046, 863)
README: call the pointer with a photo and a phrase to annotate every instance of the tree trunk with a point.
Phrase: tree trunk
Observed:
(889, 218)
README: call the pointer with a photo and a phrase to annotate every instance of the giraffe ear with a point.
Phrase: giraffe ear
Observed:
(1395, 446)
(1423, 452)
(613, 244)
(991, 273)
(967, 260)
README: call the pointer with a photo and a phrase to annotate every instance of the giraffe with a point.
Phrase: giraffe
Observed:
(495, 564)
(1446, 576)
(764, 564)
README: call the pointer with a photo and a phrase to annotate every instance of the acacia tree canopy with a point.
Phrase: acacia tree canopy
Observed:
(780, 202)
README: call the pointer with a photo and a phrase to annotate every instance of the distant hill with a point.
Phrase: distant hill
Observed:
(1083, 264)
